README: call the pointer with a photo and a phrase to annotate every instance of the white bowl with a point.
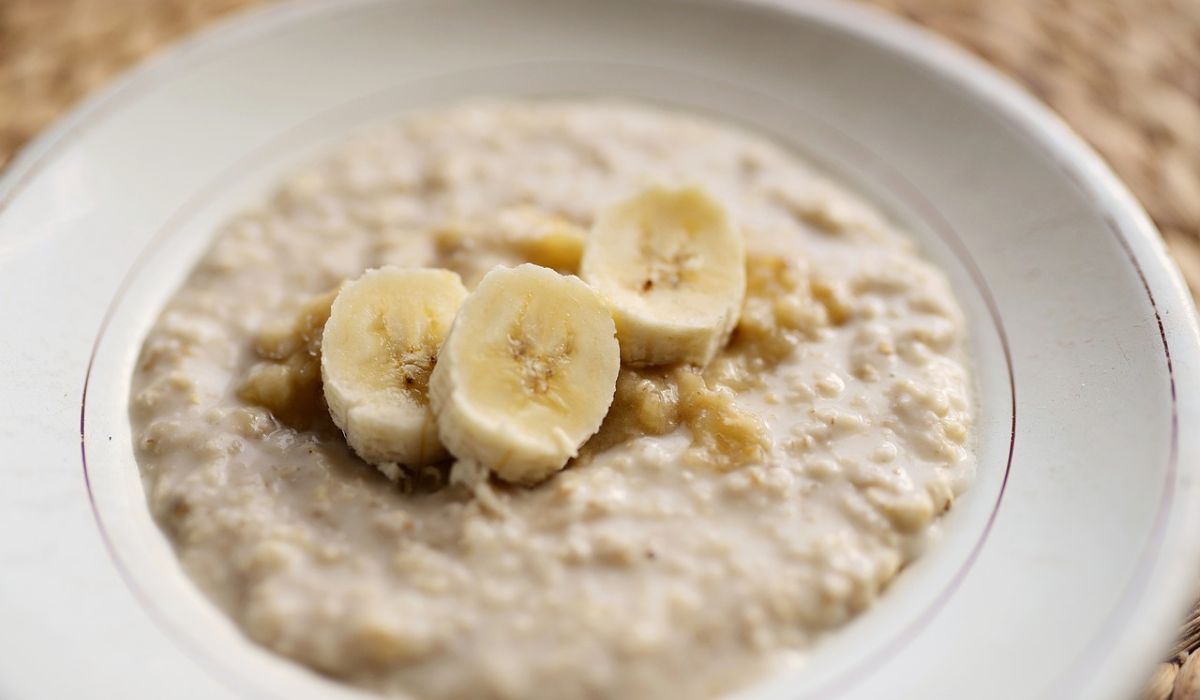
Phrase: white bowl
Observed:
(1061, 572)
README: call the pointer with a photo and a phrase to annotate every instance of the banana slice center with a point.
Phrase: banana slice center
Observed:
(408, 365)
(538, 369)
(669, 261)
(539, 362)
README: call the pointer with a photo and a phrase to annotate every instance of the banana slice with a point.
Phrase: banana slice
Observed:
(527, 373)
(673, 268)
(377, 351)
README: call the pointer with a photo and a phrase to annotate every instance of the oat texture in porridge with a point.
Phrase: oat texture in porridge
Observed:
(723, 518)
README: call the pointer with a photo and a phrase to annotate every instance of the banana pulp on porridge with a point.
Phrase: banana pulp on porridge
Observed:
(721, 520)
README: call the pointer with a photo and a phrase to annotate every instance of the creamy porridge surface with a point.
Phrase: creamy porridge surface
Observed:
(718, 524)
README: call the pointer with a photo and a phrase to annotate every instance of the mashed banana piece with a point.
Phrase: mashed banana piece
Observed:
(287, 379)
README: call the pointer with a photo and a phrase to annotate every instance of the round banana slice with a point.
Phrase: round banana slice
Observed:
(377, 352)
(527, 373)
(673, 268)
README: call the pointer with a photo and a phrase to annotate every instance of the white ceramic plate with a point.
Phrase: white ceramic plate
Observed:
(1062, 570)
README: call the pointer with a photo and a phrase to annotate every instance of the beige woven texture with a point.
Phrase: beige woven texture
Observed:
(1124, 73)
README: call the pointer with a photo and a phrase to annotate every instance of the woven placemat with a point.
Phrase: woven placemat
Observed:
(1124, 73)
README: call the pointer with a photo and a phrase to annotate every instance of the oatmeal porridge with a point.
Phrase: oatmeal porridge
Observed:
(732, 507)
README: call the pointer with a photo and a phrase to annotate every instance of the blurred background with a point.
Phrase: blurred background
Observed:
(1124, 73)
